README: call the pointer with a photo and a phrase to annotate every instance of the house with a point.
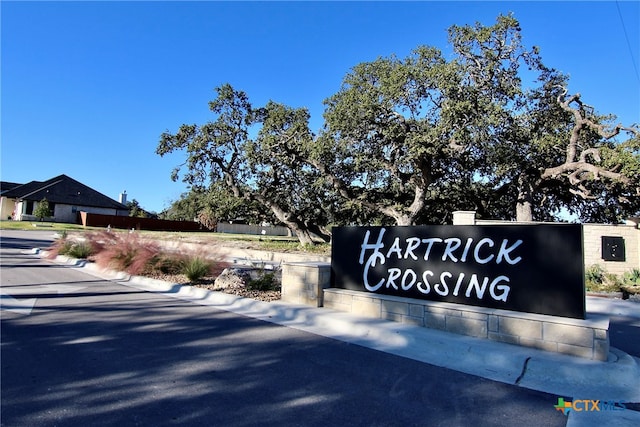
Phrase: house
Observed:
(66, 197)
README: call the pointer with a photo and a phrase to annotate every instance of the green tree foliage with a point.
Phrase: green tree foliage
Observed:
(42, 209)
(544, 151)
(217, 201)
(409, 140)
(135, 210)
(391, 144)
(186, 207)
(255, 169)
(491, 130)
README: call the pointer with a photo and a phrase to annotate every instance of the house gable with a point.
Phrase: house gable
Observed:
(66, 196)
(63, 190)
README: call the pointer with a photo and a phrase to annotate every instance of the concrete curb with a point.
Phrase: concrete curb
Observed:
(618, 379)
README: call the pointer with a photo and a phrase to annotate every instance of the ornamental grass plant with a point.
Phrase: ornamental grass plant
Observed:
(128, 252)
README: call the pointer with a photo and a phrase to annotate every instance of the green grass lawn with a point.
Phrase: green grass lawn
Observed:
(33, 225)
(267, 243)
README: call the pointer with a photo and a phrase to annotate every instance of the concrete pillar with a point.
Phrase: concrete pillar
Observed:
(304, 282)
(464, 218)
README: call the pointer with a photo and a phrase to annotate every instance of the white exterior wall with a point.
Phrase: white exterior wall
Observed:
(6, 208)
(64, 213)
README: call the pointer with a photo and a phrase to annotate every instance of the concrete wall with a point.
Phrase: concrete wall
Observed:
(592, 243)
(266, 230)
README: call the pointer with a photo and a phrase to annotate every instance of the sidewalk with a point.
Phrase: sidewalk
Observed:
(572, 378)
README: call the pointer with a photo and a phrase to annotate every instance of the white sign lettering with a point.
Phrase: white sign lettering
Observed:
(436, 249)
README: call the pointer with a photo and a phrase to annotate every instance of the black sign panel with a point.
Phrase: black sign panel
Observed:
(529, 268)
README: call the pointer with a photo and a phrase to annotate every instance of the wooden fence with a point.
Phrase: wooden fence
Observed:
(129, 222)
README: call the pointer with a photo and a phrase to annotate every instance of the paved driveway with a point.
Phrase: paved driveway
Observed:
(93, 352)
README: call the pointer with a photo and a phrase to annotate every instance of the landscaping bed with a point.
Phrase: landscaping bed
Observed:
(138, 256)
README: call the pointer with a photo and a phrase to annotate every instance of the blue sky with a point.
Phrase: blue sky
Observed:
(88, 87)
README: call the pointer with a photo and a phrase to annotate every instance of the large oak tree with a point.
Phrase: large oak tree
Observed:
(408, 140)
(241, 149)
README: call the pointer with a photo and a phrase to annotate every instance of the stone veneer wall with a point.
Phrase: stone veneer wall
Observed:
(309, 283)
(592, 235)
(584, 338)
(303, 282)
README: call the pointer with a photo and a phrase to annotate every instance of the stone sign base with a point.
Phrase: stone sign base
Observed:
(308, 283)
(584, 338)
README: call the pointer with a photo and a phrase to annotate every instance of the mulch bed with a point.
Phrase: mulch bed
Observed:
(208, 283)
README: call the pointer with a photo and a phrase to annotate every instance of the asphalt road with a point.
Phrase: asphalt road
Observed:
(95, 352)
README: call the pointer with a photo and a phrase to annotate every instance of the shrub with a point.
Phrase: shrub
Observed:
(70, 248)
(167, 264)
(631, 282)
(79, 250)
(632, 277)
(63, 247)
(42, 209)
(594, 275)
(196, 268)
(598, 280)
(266, 281)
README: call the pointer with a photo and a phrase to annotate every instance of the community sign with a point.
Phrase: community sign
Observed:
(528, 268)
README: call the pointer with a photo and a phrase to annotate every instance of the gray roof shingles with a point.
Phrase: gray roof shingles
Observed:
(61, 189)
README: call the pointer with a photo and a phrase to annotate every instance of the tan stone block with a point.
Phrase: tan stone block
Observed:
(365, 298)
(601, 350)
(601, 334)
(539, 344)
(575, 350)
(394, 317)
(442, 311)
(334, 305)
(475, 315)
(366, 307)
(568, 334)
(416, 310)
(492, 323)
(509, 339)
(331, 296)
(465, 326)
(417, 321)
(531, 329)
(396, 307)
(435, 321)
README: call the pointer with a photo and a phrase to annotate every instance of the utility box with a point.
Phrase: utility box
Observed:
(613, 248)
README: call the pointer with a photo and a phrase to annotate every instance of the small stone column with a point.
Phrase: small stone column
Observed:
(304, 282)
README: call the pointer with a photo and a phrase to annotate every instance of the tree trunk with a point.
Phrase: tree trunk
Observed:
(403, 220)
(321, 232)
(289, 220)
(303, 235)
(524, 211)
(524, 204)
